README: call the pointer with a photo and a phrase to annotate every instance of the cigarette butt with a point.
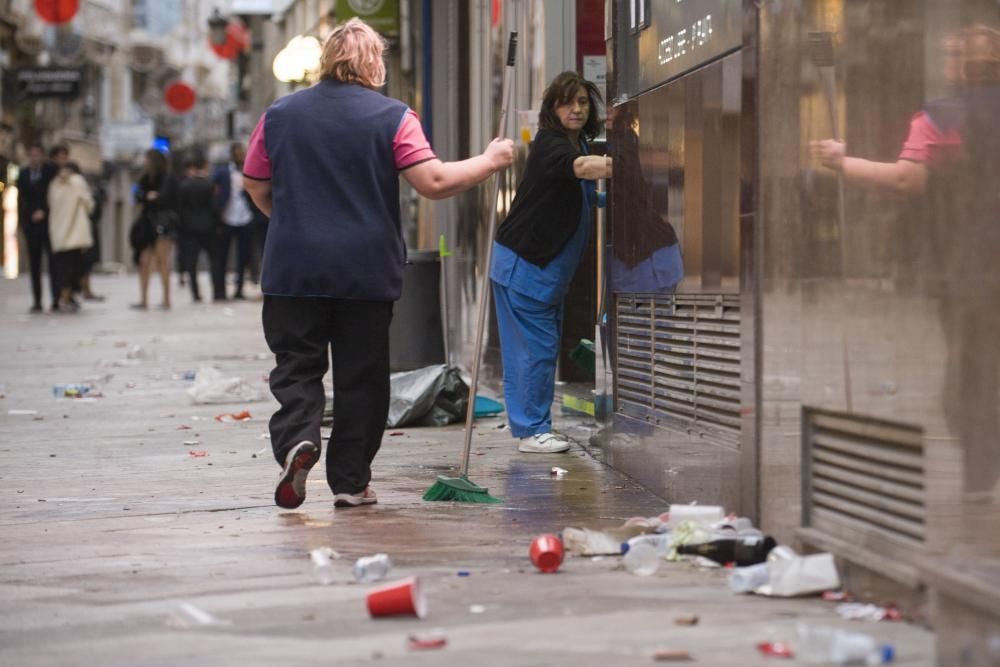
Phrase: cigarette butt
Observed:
(672, 656)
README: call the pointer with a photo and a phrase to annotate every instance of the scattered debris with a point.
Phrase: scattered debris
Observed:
(856, 611)
(558, 472)
(234, 417)
(259, 452)
(434, 640)
(197, 454)
(322, 559)
(687, 620)
(370, 569)
(546, 553)
(22, 412)
(776, 649)
(137, 352)
(183, 427)
(400, 598)
(187, 615)
(71, 390)
(672, 655)
(477, 609)
(211, 387)
(395, 433)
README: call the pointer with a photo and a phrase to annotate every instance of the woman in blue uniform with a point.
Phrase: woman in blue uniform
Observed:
(537, 250)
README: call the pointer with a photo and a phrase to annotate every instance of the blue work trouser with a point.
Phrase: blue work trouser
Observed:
(529, 343)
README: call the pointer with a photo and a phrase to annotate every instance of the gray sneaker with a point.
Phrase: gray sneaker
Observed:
(366, 497)
(543, 443)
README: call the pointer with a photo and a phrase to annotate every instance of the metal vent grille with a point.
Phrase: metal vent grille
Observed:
(678, 361)
(863, 474)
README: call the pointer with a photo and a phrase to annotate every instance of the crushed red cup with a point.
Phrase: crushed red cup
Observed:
(776, 649)
(429, 642)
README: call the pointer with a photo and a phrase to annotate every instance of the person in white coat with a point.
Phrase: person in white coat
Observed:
(70, 204)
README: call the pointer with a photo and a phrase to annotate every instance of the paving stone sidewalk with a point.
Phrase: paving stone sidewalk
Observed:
(111, 519)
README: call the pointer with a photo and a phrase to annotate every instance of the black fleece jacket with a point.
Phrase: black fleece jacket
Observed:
(546, 208)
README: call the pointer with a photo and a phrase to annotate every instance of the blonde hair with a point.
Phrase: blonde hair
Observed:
(353, 54)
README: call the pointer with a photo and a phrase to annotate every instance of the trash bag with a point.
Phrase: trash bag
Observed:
(211, 387)
(429, 396)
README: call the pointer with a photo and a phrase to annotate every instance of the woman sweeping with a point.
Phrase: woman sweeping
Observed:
(537, 250)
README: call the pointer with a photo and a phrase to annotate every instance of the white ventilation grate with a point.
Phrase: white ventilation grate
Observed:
(678, 361)
(862, 474)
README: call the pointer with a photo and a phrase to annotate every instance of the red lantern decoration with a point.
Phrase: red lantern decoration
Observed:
(237, 40)
(57, 11)
(179, 96)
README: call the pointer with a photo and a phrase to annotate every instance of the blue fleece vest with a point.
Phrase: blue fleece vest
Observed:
(334, 229)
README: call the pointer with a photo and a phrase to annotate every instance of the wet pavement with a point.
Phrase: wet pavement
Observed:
(112, 518)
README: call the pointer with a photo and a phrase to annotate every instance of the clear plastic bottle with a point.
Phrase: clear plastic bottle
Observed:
(659, 541)
(322, 560)
(642, 559)
(819, 644)
(747, 579)
(372, 568)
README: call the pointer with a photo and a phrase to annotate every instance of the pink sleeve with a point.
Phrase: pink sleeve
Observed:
(410, 146)
(257, 163)
(923, 135)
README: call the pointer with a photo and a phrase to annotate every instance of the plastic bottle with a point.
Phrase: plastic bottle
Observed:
(827, 645)
(322, 560)
(659, 541)
(642, 559)
(372, 568)
(747, 579)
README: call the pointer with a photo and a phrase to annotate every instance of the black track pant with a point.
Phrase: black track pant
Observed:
(303, 332)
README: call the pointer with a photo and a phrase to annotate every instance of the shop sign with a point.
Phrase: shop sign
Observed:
(382, 15)
(49, 82)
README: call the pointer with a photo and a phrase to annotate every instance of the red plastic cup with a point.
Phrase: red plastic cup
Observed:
(400, 598)
(546, 553)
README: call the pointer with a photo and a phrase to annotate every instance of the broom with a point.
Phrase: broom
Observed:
(461, 488)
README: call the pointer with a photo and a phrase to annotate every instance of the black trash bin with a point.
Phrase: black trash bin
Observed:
(415, 338)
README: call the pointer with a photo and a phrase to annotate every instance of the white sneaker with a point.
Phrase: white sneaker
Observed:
(366, 497)
(543, 443)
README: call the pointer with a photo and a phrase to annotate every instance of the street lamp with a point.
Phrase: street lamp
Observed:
(217, 24)
(298, 60)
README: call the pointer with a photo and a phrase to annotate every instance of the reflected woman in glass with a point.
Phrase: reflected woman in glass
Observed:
(537, 251)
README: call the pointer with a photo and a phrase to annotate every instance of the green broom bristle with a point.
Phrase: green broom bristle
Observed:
(459, 489)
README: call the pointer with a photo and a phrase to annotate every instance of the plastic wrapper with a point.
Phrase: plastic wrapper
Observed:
(806, 575)
(211, 387)
(429, 396)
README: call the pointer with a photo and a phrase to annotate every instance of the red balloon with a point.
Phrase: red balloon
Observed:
(237, 40)
(57, 11)
(179, 96)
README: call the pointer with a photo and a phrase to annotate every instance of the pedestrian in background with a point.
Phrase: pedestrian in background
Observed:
(200, 225)
(537, 251)
(237, 216)
(92, 255)
(154, 231)
(70, 204)
(324, 164)
(33, 220)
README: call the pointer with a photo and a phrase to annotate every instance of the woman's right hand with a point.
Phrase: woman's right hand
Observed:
(152, 195)
(500, 153)
(829, 152)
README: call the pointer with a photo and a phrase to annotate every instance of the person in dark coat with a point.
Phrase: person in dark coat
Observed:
(33, 219)
(200, 225)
